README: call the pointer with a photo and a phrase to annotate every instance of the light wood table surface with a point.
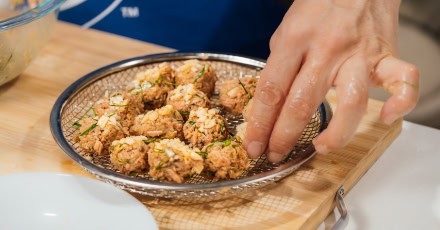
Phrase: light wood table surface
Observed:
(302, 200)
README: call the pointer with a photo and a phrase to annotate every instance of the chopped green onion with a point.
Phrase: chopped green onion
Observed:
(225, 142)
(158, 166)
(124, 161)
(88, 130)
(114, 105)
(200, 74)
(159, 150)
(87, 113)
(203, 154)
(135, 90)
(157, 80)
(169, 83)
(245, 90)
(76, 124)
(184, 113)
(200, 97)
(150, 140)
(192, 122)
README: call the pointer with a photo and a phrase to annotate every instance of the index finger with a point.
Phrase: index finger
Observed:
(273, 86)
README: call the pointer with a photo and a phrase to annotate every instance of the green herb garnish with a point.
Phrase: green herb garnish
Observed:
(157, 80)
(200, 74)
(76, 124)
(203, 154)
(169, 83)
(150, 140)
(136, 90)
(124, 161)
(88, 130)
(184, 113)
(245, 90)
(158, 166)
(226, 142)
(114, 105)
(192, 122)
(159, 150)
(200, 97)
(179, 120)
(210, 173)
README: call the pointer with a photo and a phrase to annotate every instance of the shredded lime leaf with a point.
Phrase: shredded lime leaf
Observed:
(200, 97)
(200, 74)
(245, 90)
(158, 166)
(169, 83)
(76, 124)
(150, 140)
(88, 130)
(203, 154)
(114, 105)
(157, 80)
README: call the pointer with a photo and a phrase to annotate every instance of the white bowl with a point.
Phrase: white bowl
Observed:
(62, 201)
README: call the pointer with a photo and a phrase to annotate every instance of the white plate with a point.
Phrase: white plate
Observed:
(61, 201)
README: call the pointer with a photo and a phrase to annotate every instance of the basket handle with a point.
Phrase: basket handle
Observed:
(343, 220)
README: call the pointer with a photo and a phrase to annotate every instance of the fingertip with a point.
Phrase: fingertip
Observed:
(320, 148)
(275, 157)
(388, 120)
(255, 149)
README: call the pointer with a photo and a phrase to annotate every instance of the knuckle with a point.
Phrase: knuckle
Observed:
(289, 34)
(358, 103)
(269, 94)
(259, 124)
(300, 109)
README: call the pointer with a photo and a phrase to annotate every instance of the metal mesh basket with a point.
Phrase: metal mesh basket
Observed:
(83, 93)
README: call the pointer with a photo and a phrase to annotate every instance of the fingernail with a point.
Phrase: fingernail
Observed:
(255, 149)
(322, 149)
(275, 157)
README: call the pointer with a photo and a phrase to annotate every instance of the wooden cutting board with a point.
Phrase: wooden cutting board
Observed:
(301, 201)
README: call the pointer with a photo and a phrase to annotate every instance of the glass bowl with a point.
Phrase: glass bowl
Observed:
(25, 26)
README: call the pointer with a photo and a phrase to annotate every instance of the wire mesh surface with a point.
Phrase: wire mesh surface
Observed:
(85, 96)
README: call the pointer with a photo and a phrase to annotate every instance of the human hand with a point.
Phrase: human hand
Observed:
(349, 44)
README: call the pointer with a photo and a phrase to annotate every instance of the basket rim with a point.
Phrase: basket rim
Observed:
(103, 173)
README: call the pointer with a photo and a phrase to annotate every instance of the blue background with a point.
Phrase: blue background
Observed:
(236, 26)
